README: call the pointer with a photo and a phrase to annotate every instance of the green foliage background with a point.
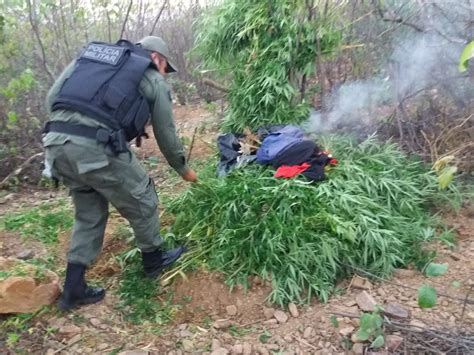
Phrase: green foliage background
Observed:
(267, 46)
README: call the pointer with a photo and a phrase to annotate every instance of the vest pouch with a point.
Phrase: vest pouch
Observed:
(113, 98)
(135, 119)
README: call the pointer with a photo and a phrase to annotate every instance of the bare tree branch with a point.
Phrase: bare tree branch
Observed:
(215, 85)
(126, 19)
(158, 16)
(38, 38)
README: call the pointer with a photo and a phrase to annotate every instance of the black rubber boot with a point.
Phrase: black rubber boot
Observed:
(155, 262)
(76, 292)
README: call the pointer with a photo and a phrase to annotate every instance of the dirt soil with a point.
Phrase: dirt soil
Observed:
(210, 318)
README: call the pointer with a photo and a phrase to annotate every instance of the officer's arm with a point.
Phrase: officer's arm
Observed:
(53, 92)
(165, 130)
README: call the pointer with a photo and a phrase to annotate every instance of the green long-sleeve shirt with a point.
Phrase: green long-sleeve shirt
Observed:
(157, 92)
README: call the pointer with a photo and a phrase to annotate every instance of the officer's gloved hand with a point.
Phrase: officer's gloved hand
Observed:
(190, 176)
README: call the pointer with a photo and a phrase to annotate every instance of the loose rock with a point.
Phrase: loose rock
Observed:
(281, 316)
(222, 324)
(24, 294)
(392, 342)
(96, 322)
(359, 282)
(308, 333)
(247, 348)
(231, 310)
(418, 324)
(220, 351)
(70, 330)
(395, 310)
(262, 350)
(268, 312)
(346, 331)
(293, 310)
(366, 302)
(188, 345)
(237, 349)
(216, 344)
(355, 339)
(358, 348)
(25, 254)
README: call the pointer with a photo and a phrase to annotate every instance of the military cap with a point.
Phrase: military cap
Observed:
(156, 44)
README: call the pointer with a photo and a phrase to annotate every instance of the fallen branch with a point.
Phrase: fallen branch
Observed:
(215, 85)
(20, 169)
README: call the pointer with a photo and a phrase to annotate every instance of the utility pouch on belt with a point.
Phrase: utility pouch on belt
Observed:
(116, 140)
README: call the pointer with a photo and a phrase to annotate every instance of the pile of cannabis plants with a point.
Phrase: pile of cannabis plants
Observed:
(370, 213)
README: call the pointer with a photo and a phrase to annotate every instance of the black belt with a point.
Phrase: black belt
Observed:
(115, 139)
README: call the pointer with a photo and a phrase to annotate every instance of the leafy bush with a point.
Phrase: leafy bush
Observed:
(268, 46)
(370, 213)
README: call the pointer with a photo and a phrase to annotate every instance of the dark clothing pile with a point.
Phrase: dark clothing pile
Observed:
(284, 147)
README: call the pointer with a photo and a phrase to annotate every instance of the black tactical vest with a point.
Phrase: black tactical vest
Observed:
(104, 86)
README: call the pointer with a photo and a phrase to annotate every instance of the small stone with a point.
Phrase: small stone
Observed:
(418, 324)
(182, 326)
(102, 346)
(216, 344)
(231, 310)
(50, 352)
(346, 331)
(358, 348)
(445, 303)
(392, 342)
(381, 292)
(268, 312)
(96, 322)
(395, 310)
(293, 310)
(270, 322)
(355, 339)
(355, 322)
(247, 348)
(350, 303)
(262, 350)
(185, 334)
(222, 324)
(281, 316)
(237, 349)
(308, 333)
(25, 254)
(470, 315)
(359, 282)
(366, 302)
(74, 339)
(134, 352)
(220, 351)
(188, 345)
(70, 329)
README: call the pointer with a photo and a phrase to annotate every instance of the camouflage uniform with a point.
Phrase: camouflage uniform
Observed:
(95, 176)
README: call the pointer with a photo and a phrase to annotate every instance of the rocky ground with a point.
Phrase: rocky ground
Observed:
(204, 316)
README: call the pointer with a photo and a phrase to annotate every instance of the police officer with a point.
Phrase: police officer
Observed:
(101, 101)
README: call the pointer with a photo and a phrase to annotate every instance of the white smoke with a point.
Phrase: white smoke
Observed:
(420, 60)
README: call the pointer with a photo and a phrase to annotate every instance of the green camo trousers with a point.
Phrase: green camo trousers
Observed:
(95, 179)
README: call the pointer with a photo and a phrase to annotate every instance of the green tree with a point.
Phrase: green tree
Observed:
(270, 47)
